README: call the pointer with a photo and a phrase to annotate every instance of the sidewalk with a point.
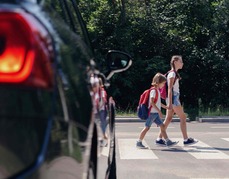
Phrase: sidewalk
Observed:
(175, 119)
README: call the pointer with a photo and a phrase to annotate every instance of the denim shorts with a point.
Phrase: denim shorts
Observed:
(153, 117)
(176, 99)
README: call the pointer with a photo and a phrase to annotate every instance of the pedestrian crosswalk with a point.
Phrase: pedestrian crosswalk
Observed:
(227, 139)
(127, 150)
(201, 150)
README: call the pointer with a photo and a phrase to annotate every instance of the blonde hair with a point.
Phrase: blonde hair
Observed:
(157, 79)
(174, 59)
(101, 82)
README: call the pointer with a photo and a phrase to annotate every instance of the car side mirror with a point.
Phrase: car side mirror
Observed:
(117, 61)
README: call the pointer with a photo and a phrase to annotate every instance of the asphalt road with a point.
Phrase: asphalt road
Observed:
(209, 158)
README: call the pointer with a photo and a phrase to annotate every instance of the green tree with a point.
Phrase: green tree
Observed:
(152, 31)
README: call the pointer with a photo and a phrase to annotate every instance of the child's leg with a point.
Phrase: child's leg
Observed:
(168, 142)
(143, 133)
(168, 119)
(146, 128)
(163, 131)
(180, 112)
(103, 123)
(162, 126)
(178, 109)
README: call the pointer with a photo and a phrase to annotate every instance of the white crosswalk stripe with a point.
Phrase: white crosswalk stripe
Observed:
(220, 127)
(209, 178)
(127, 150)
(227, 139)
(201, 150)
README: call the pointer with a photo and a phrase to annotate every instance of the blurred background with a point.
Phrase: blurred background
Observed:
(152, 31)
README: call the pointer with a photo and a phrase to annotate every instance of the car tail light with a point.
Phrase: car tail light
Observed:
(25, 51)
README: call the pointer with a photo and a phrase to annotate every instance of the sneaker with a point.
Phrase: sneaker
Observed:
(140, 145)
(103, 143)
(190, 141)
(170, 143)
(160, 142)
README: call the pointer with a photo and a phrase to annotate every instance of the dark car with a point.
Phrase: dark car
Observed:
(47, 124)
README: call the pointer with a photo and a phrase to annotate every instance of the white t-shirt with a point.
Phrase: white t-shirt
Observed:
(176, 86)
(102, 104)
(158, 103)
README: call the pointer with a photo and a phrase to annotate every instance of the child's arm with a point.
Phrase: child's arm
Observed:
(155, 107)
(170, 87)
(164, 106)
(104, 95)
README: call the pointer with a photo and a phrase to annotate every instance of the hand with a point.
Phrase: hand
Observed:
(111, 101)
(170, 107)
(160, 114)
(166, 107)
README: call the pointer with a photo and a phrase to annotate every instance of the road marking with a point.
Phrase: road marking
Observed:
(105, 151)
(209, 178)
(227, 139)
(128, 150)
(220, 127)
(200, 150)
(156, 127)
(105, 148)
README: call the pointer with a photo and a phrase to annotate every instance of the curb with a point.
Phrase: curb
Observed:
(135, 119)
(198, 119)
(213, 119)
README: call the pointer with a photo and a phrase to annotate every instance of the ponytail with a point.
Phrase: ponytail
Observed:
(175, 58)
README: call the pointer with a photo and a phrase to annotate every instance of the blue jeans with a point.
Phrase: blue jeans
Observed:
(153, 117)
(175, 100)
(103, 120)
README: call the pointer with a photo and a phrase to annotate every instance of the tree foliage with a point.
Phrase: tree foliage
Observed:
(152, 31)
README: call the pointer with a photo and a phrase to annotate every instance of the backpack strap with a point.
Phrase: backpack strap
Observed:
(156, 97)
(101, 91)
(175, 75)
(146, 98)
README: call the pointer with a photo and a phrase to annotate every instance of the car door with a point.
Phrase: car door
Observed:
(48, 127)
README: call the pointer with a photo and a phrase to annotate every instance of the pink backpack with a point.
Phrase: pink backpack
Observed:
(164, 89)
